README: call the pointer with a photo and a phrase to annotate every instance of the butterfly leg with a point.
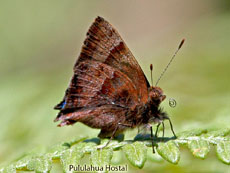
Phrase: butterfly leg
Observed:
(151, 130)
(138, 130)
(158, 125)
(163, 125)
(172, 127)
(113, 134)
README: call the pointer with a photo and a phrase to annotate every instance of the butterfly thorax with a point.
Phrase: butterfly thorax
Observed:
(150, 112)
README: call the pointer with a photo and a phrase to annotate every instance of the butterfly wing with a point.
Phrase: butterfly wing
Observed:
(107, 80)
(104, 44)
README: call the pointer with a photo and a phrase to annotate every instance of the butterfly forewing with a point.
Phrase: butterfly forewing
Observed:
(104, 44)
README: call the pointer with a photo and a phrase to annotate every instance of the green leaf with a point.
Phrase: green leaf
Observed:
(57, 150)
(194, 132)
(89, 147)
(8, 169)
(22, 163)
(219, 132)
(76, 140)
(223, 151)
(72, 156)
(199, 148)
(70, 153)
(117, 158)
(41, 163)
(100, 158)
(169, 151)
(155, 157)
(136, 153)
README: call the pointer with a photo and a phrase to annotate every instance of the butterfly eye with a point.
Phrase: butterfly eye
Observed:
(154, 95)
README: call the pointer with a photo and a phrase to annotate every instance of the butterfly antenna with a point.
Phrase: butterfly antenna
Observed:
(181, 44)
(151, 69)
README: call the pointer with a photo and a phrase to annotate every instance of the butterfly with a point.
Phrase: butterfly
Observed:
(109, 90)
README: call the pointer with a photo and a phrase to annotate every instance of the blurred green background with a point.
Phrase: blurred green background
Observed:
(41, 40)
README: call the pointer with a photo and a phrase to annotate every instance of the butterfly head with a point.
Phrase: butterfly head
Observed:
(156, 95)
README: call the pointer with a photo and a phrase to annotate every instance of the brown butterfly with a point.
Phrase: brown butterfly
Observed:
(109, 90)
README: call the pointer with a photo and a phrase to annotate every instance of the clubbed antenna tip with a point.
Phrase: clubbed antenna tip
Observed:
(181, 43)
(151, 69)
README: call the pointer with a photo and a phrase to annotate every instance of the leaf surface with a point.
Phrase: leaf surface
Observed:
(136, 153)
